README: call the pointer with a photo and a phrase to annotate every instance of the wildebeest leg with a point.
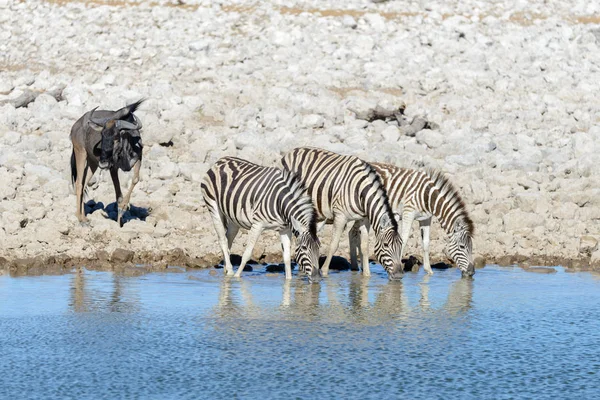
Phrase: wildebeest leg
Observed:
(114, 175)
(81, 168)
(124, 205)
(89, 172)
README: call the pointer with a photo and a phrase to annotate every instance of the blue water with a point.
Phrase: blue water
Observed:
(95, 335)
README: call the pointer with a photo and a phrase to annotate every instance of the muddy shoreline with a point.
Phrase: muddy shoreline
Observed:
(127, 263)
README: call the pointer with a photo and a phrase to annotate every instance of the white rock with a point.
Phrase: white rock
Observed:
(376, 21)
(349, 21)
(519, 220)
(6, 86)
(199, 45)
(165, 169)
(432, 139)
(10, 138)
(282, 38)
(313, 121)
(391, 134)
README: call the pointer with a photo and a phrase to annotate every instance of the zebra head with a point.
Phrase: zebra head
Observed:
(307, 254)
(460, 248)
(388, 247)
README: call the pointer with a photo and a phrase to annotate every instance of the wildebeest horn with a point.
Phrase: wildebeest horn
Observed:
(98, 122)
(137, 122)
(120, 124)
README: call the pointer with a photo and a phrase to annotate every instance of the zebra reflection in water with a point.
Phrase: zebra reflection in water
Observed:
(356, 301)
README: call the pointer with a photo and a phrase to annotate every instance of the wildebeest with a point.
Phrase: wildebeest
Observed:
(109, 140)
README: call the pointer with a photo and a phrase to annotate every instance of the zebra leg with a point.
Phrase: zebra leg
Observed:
(286, 243)
(425, 225)
(321, 225)
(339, 223)
(408, 216)
(286, 298)
(253, 236)
(364, 248)
(232, 231)
(219, 224)
(354, 240)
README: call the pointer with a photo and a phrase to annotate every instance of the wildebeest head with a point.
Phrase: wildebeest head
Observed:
(116, 137)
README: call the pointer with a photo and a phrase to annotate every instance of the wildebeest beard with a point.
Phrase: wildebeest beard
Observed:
(126, 151)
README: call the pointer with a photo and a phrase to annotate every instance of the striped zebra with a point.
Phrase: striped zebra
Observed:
(344, 189)
(420, 195)
(240, 194)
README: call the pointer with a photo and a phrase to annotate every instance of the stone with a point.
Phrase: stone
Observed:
(273, 268)
(540, 270)
(6, 87)
(199, 45)
(431, 138)
(519, 220)
(10, 138)
(391, 134)
(376, 21)
(349, 21)
(595, 259)
(337, 263)
(121, 256)
(411, 264)
(165, 169)
(313, 121)
(588, 244)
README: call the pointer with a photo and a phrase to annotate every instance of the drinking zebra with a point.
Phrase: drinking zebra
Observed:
(240, 194)
(420, 195)
(343, 189)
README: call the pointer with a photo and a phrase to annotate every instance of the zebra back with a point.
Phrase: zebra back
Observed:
(245, 192)
(427, 191)
(347, 183)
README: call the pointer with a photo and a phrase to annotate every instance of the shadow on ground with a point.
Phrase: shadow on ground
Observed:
(111, 211)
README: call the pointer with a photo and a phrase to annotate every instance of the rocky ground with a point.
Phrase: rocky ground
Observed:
(509, 91)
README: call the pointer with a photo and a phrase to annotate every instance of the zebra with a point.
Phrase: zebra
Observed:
(343, 189)
(422, 194)
(241, 194)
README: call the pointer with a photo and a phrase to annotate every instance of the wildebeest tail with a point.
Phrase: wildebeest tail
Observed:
(73, 168)
(127, 110)
(134, 106)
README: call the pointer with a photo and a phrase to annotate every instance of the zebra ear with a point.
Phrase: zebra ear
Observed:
(296, 226)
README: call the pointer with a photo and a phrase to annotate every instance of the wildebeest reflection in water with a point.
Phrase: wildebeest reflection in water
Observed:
(101, 292)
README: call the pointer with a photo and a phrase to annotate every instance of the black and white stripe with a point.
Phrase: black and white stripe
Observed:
(420, 195)
(240, 194)
(343, 189)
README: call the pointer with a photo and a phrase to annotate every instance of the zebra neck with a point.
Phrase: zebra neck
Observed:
(377, 211)
(299, 215)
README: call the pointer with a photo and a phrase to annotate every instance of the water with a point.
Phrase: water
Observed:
(95, 335)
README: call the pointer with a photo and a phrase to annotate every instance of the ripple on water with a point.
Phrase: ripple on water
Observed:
(505, 334)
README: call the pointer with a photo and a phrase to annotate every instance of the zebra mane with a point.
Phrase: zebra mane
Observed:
(303, 200)
(447, 189)
(377, 180)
